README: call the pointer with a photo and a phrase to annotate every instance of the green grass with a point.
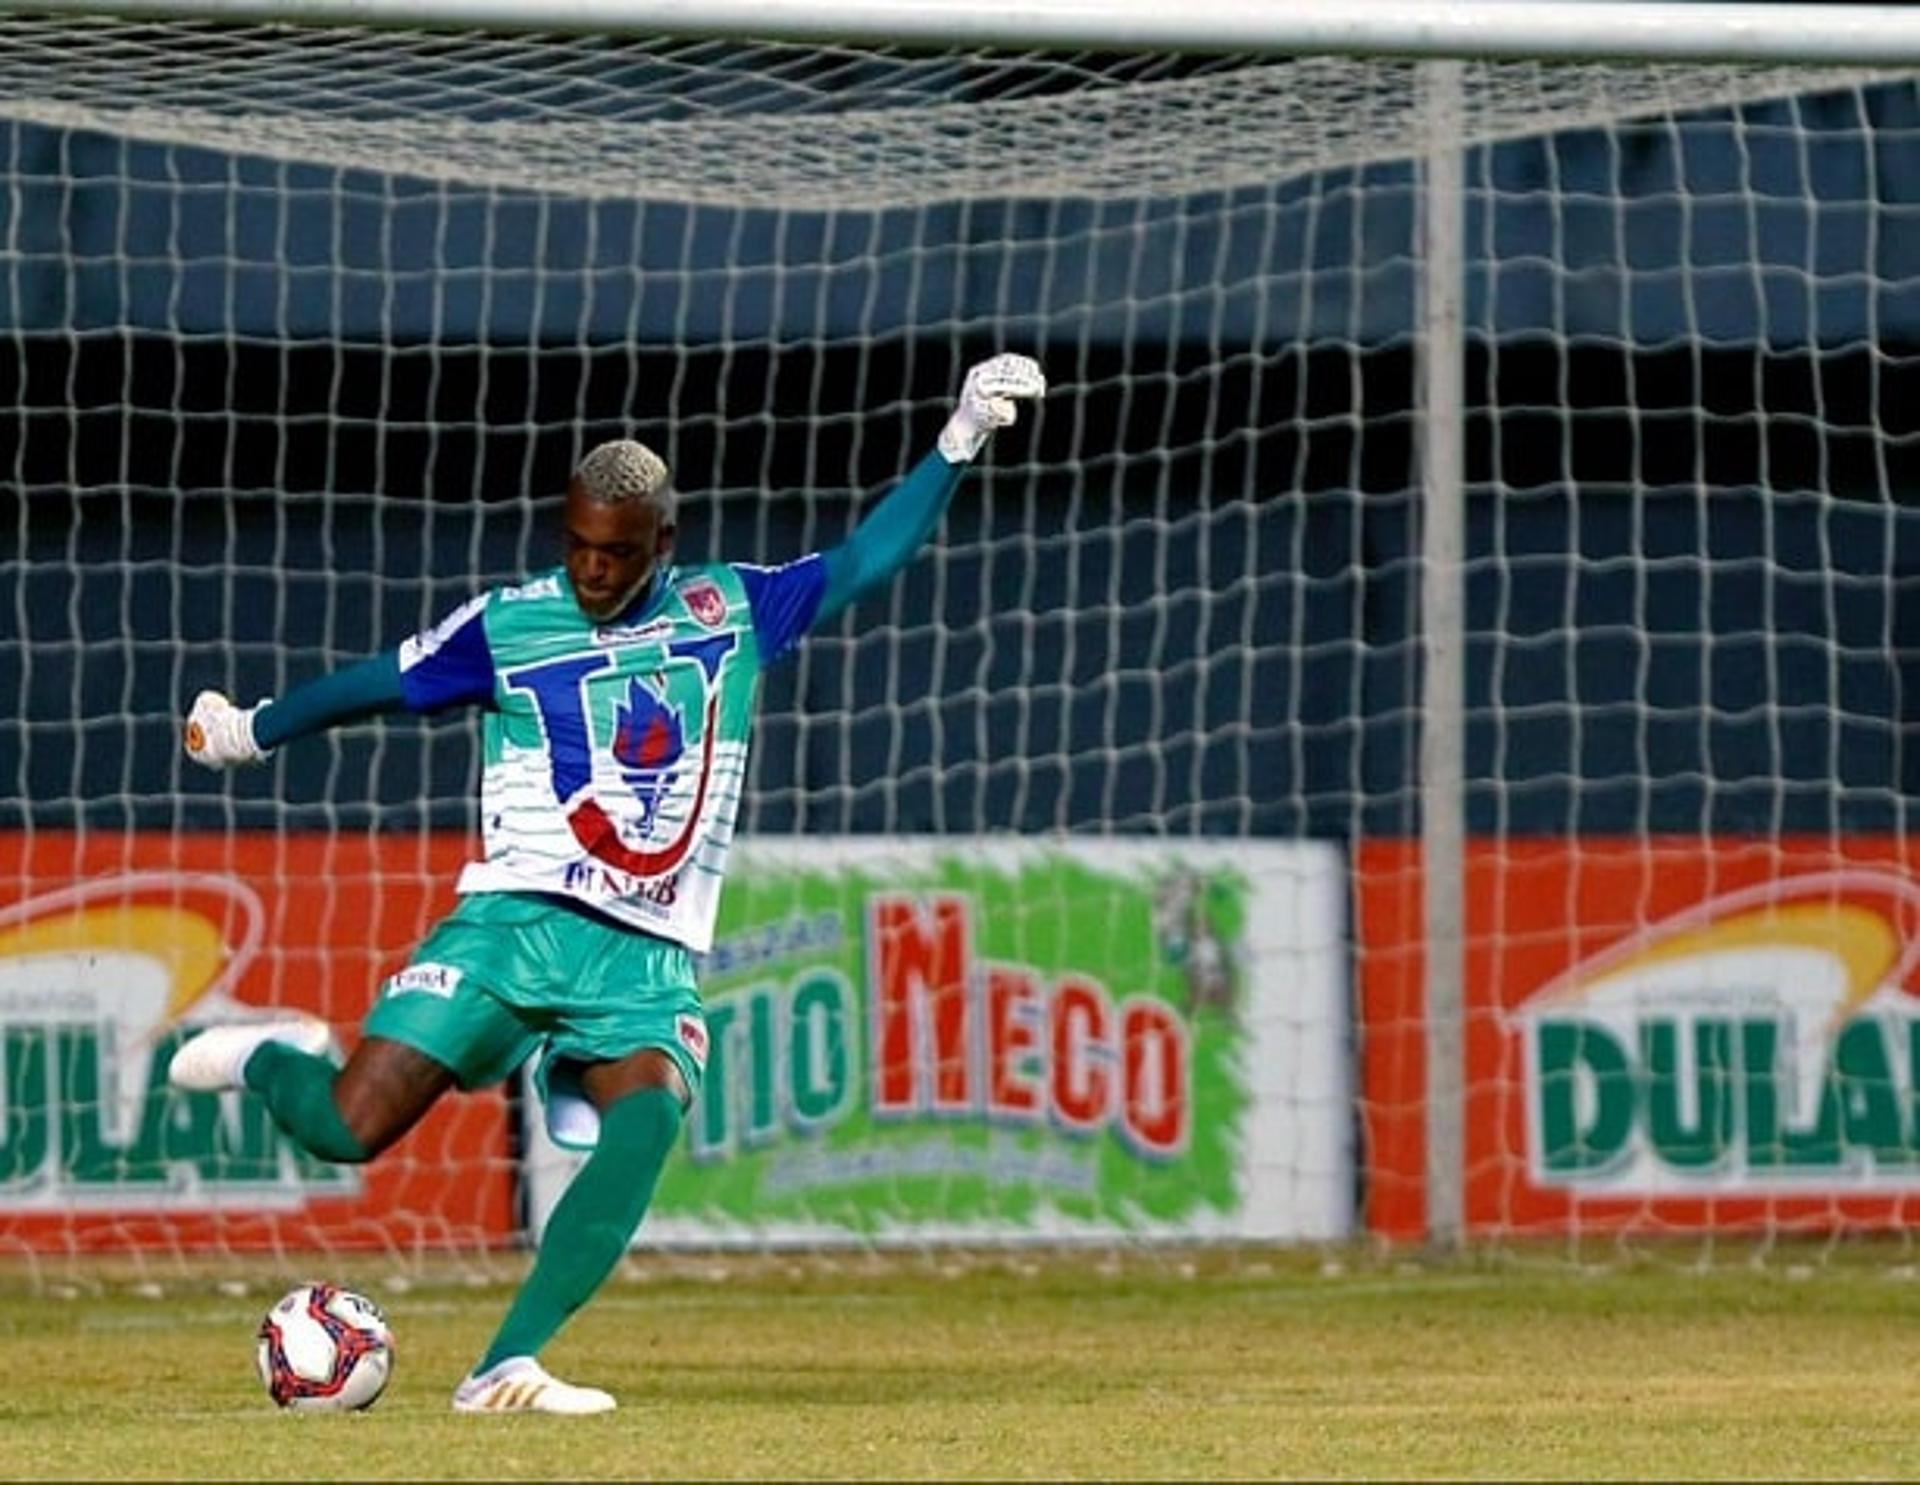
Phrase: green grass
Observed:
(1005, 1369)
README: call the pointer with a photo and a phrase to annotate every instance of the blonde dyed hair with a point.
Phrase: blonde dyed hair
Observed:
(623, 472)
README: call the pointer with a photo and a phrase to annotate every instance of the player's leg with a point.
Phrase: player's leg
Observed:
(435, 1026)
(347, 1114)
(623, 1064)
(641, 1100)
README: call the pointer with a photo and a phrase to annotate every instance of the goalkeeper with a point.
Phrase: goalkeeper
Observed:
(618, 692)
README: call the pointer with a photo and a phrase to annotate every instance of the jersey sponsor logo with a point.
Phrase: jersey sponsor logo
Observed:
(622, 634)
(692, 1031)
(427, 979)
(648, 748)
(705, 602)
(546, 587)
(429, 641)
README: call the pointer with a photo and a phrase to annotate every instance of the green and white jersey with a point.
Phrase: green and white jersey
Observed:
(615, 754)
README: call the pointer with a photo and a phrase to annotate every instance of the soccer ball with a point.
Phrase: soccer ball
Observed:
(324, 1349)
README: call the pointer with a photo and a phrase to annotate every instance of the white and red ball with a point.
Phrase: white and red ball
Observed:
(324, 1349)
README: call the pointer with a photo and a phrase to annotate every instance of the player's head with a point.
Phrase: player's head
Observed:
(619, 525)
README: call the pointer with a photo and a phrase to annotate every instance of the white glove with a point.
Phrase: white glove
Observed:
(220, 734)
(987, 402)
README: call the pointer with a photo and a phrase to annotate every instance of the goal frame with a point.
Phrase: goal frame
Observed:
(1562, 30)
(1438, 32)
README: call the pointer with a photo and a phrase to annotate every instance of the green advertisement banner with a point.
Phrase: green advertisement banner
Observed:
(984, 1039)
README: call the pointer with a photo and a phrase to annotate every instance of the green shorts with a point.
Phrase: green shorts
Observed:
(507, 974)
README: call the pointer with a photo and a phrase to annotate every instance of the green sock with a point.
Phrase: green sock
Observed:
(592, 1223)
(298, 1089)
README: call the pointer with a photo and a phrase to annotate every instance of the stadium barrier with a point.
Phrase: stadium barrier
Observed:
(910, 1040)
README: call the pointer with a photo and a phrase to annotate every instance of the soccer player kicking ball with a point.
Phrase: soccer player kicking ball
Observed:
(619, 693)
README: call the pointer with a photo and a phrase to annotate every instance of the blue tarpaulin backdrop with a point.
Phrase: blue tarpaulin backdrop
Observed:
(265, 417)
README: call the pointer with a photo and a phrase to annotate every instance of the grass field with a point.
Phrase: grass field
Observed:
(1006, 1368)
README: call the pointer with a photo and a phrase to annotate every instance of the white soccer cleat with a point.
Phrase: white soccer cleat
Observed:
(213, 1061)
(521, 1385)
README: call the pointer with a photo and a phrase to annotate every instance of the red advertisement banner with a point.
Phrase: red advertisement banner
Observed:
(113, 946)
(1660, 1034)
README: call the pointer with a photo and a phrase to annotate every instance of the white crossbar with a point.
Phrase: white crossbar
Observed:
(1687, 30)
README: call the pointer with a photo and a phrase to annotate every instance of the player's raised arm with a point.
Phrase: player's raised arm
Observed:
(886, 540)
(788, 601)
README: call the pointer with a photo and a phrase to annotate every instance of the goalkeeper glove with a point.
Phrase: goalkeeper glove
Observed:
(987, 402)
(220, 734)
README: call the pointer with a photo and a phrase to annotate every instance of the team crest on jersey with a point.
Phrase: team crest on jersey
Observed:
(649, 737)
(660, 747)
(705, 602)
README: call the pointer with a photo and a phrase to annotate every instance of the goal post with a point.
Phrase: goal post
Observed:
(1420, 711)
(1441, 353)
(1562, 30)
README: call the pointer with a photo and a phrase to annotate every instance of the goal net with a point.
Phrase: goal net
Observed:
(1080, 890)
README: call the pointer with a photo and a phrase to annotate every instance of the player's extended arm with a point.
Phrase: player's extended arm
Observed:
(447, 665)
(886, 540)
(220, 734)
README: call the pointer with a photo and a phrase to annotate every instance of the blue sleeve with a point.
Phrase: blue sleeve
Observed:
(450, 663)
(442, 666)
(784, 601)
(347, 695)
(886, 540)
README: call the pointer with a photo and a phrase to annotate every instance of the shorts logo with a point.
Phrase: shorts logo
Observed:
(705, 602)
(426, 979)
(692, 1031)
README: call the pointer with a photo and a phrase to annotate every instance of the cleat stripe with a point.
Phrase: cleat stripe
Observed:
(535, 1394)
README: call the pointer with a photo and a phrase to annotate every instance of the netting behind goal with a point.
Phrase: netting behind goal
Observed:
(1080, 890)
